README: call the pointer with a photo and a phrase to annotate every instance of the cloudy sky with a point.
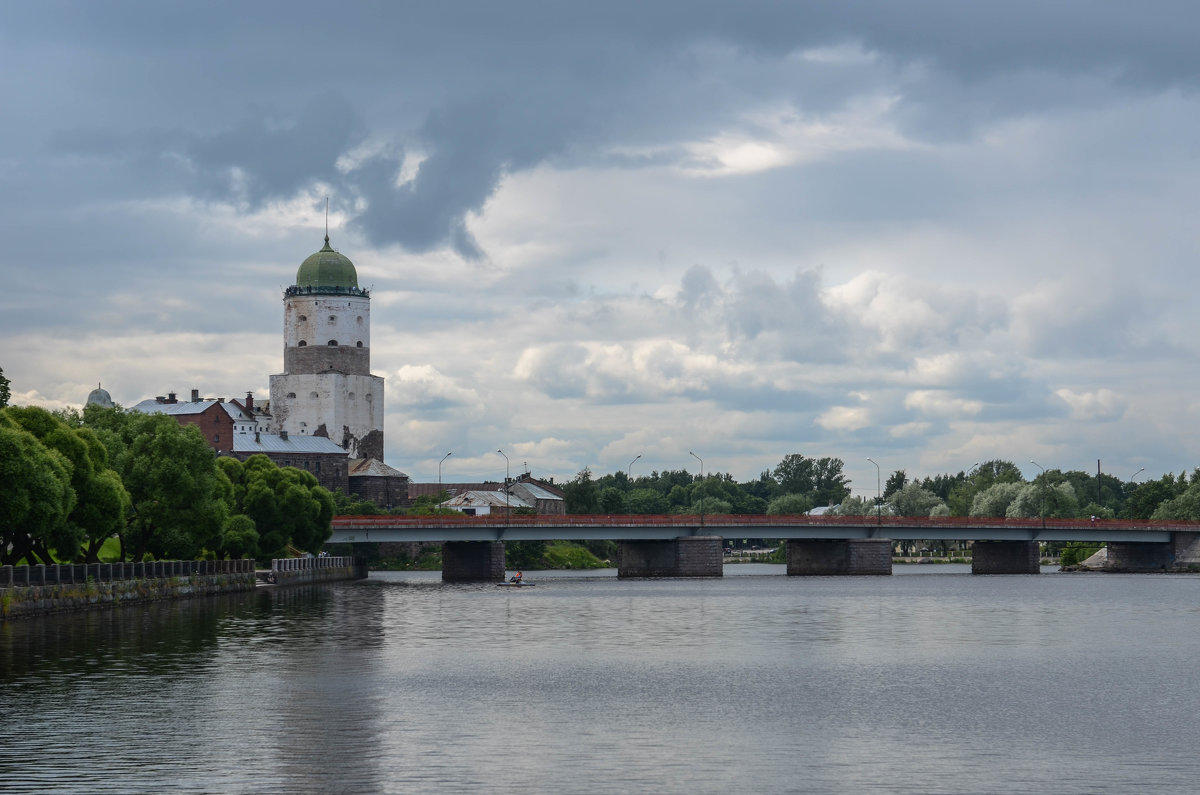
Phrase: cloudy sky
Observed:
(931, 233)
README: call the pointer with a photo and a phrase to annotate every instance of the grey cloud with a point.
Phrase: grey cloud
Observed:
(279, 156)
(548, 82)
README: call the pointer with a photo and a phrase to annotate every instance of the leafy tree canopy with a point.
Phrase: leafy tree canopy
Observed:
(36, 497)
(790, 505)
(100, 500)
(821, 478)
(914, 500)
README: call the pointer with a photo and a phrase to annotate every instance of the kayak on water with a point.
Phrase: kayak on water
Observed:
(516, 584)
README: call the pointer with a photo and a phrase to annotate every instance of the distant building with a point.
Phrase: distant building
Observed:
(482, 503)
(546, 499)
(379, 483)
(543, 497)
(232, 428)
(217, 420)
(328, 462)
(326, 387)
(100, 397)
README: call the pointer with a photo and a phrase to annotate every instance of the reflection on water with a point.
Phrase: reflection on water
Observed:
(927, 681)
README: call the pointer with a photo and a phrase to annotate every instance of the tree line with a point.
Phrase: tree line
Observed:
(74, 480)
(798, 484)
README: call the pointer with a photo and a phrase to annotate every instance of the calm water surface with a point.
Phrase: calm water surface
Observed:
(928, 681)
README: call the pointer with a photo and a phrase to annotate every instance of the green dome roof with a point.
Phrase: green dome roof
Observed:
(327, 269)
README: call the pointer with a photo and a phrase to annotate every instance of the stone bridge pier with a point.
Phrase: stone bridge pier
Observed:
(839, 556)
(687, 556)
(1182, 553)
(1005, 557)
(473, 561)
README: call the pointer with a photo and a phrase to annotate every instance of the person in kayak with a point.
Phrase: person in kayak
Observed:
(516, 577)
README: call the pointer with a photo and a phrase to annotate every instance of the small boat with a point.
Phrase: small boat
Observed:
(511, 584)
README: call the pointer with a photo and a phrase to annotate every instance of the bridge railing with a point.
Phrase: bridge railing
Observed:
(761, 522)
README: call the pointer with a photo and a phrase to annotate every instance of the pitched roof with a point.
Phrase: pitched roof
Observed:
(425, 489)
(270, 443)
(494, 499)
(373, 467)
(536, 490)
(187, 407)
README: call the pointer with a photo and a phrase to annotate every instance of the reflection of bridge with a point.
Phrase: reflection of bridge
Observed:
(690, 545)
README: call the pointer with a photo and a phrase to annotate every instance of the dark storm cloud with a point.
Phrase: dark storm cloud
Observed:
(276, 158)
(488, 90)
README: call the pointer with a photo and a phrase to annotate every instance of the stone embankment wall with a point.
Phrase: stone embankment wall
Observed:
(294, 571)
(35, 590)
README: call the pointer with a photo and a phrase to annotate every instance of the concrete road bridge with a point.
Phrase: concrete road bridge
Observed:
(691, 545)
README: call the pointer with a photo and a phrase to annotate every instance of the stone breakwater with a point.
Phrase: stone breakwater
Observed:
(29, 591)
(297, 571)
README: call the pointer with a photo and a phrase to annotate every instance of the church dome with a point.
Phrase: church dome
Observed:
(99, 397)
(327, 270)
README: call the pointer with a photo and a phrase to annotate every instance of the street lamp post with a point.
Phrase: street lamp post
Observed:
(878, 492)
(701, 460)
(1041, 491)
(1135, 474)
(447, 455)
(507, 504)
(629, 478)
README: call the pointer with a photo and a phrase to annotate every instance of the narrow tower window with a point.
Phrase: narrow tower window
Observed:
(333, 343)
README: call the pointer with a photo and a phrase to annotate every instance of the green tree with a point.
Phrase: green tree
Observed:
(790, 505)
(995, 499)
(180, 498)
(36, 496)
(896, 481)
(961, 490)
(1146, 497)
(857, 506)
(289, 507)
(580, 493)
(820, 477)
(1185, 507)
(647, 501)
(5, 392)
(524, 554)
(101, 499)
(707, 505)
(239, 538)
(765, 488)
(612, 500)
(914, 500)
(1041, 499)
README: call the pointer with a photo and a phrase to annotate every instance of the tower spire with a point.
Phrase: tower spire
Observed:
(327, 220)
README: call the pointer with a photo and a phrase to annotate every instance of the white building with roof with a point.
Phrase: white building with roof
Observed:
(326, 387)
(482, 503)
(232, 429)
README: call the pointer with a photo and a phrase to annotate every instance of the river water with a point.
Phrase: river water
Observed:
(932, 680)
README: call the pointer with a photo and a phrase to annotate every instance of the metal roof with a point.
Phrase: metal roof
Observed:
(495, 499)
(536, 492)
(270, 443)
(186, 407)
(373, 467)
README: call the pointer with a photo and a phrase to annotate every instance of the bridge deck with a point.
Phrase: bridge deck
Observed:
(364, 529)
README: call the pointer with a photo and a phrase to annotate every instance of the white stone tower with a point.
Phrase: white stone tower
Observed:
(326, 388)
